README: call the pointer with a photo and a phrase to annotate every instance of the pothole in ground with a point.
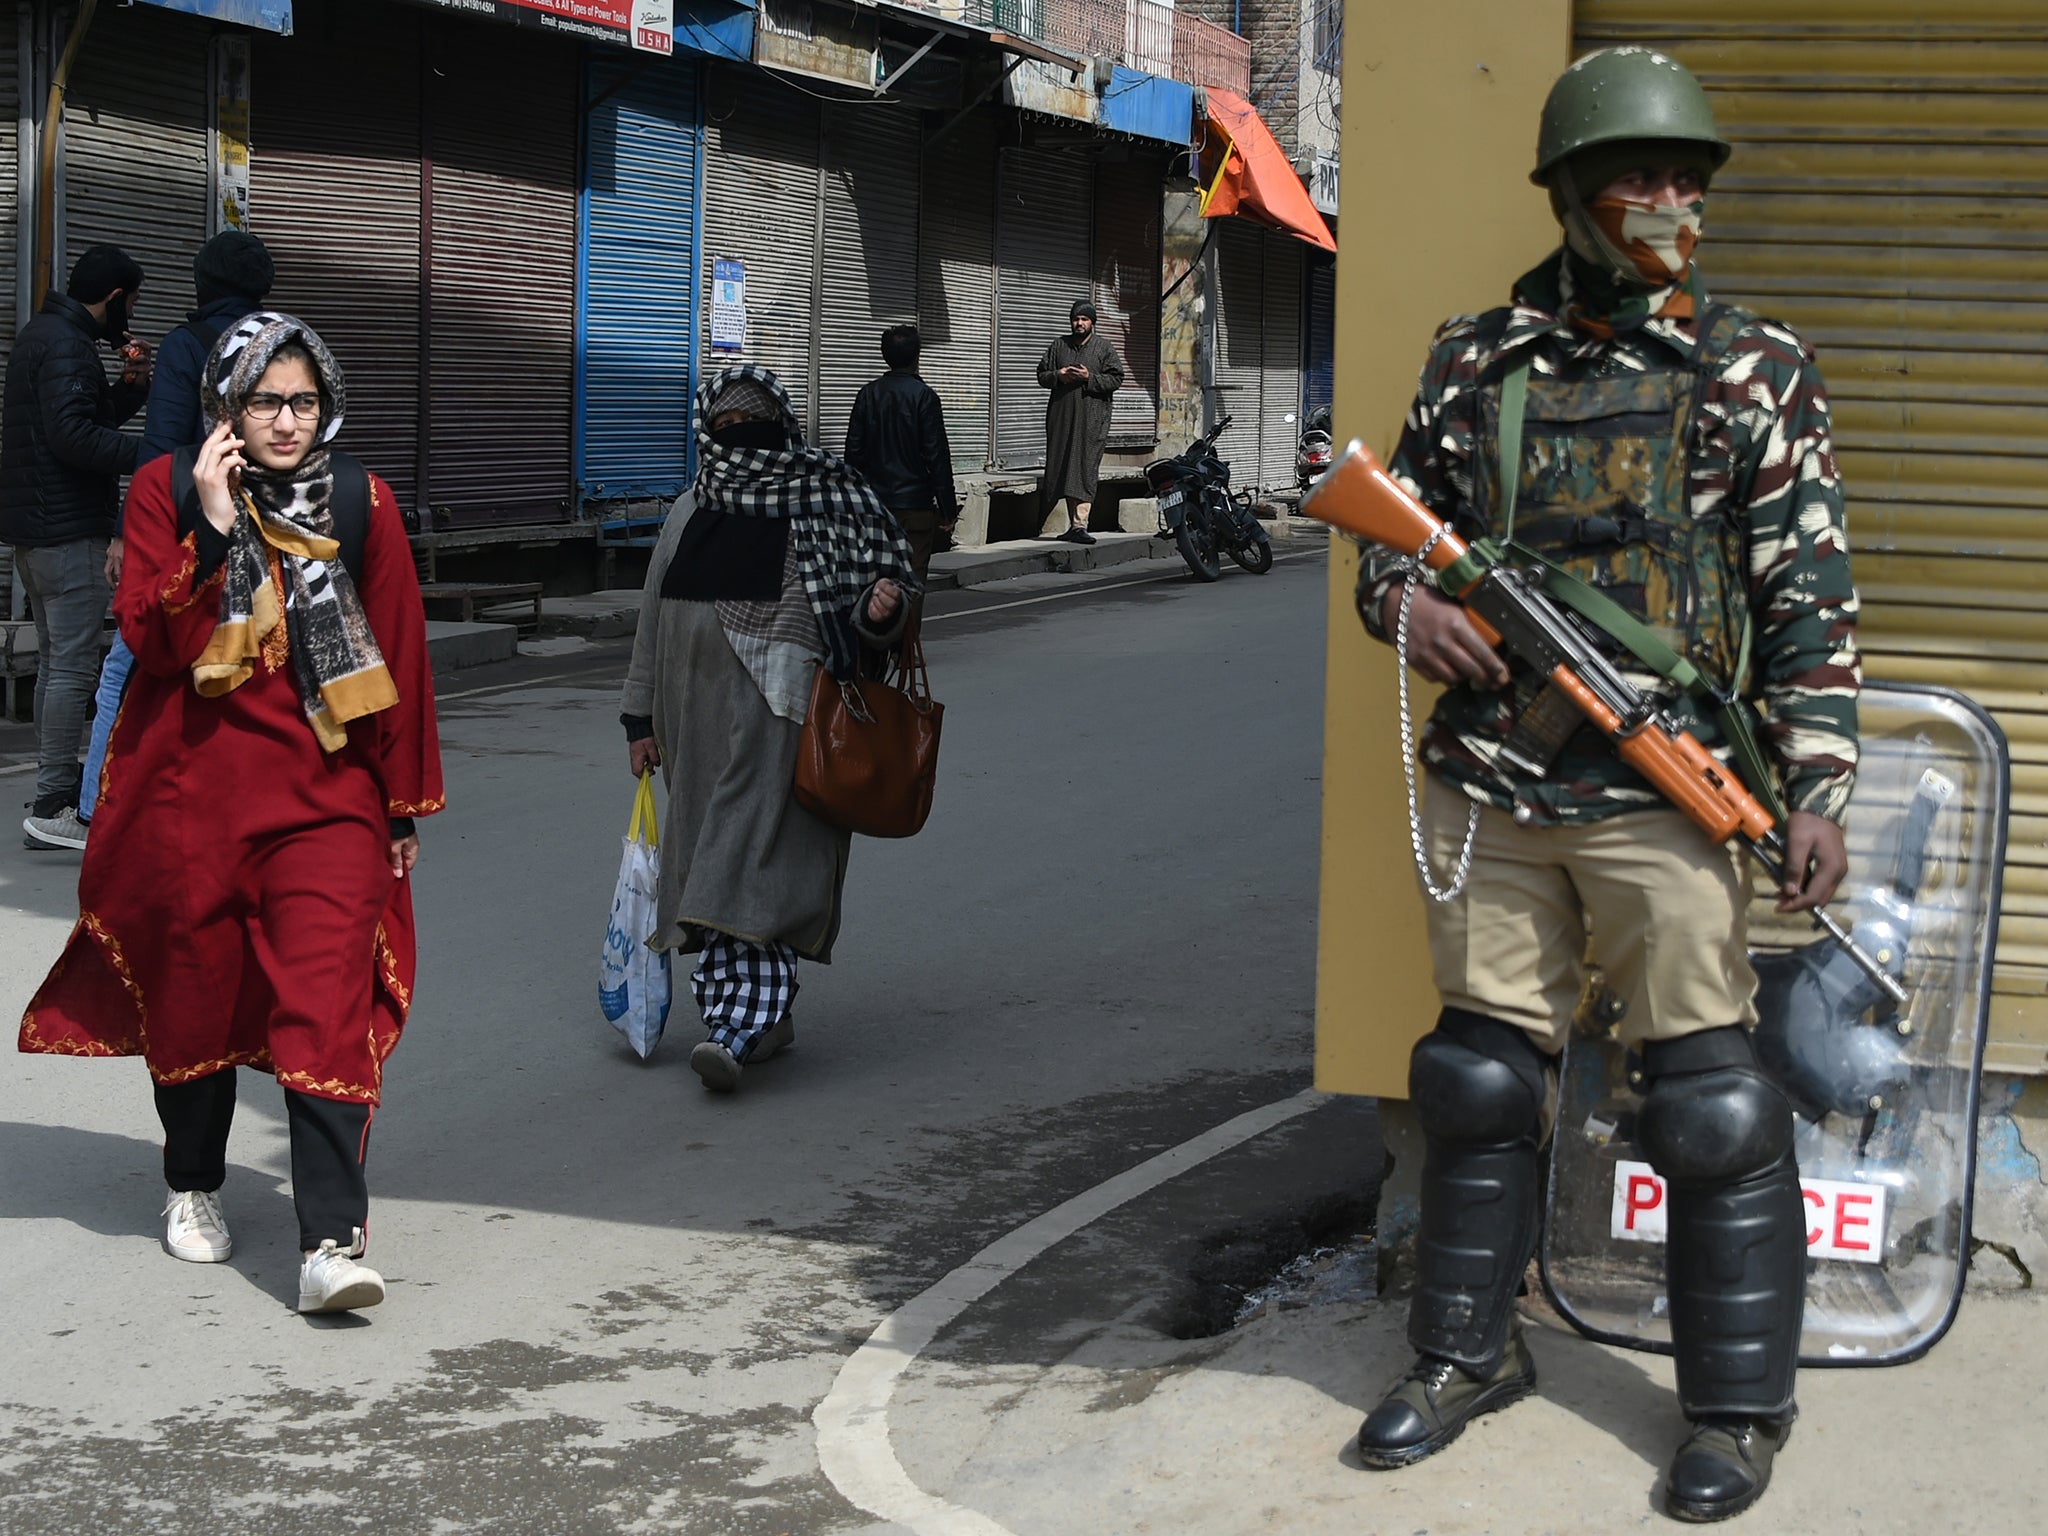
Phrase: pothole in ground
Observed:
(1325, 1257)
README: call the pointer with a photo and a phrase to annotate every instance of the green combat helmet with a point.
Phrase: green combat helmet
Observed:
(1623, 95)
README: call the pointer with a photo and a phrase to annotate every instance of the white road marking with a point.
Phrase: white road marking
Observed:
(1107, 586)
(853, 1420)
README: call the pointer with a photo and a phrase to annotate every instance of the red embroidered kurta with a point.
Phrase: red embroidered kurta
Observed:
(236, 904)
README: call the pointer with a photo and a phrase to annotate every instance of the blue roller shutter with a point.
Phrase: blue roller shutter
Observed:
(1319, 367)
(639, 299)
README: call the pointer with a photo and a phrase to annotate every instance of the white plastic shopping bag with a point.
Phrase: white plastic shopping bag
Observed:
(633, 980)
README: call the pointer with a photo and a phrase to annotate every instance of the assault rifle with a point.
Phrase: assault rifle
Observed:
(1510, 609)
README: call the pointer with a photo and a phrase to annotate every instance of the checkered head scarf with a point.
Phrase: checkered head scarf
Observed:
(340, 672)
(845, 539)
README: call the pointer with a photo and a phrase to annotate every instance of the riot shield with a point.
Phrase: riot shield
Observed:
(1885, 1096)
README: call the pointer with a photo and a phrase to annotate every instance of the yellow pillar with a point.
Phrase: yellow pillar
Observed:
(1440, 109)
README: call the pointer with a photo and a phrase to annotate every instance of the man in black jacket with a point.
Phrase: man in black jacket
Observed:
(896, 436)
(61, 462)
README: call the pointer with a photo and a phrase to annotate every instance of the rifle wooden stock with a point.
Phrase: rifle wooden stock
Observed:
(1359, 497)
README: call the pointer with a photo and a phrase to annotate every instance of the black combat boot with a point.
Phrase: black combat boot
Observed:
(1431, 1405)
(1480, 1091)
(1721, 1134)
(1723, 1468)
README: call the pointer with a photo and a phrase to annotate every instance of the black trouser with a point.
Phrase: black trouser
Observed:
(330, 1141)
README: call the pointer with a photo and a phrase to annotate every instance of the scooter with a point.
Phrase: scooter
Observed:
(1205, 520)
(1313, 453)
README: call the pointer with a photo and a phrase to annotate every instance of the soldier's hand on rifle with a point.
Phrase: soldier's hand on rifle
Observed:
(1813, 841)
(1442, 644)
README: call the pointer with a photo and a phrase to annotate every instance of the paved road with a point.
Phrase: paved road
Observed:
(616, 1302)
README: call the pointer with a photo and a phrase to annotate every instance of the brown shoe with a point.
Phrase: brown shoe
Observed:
(1430, 1406)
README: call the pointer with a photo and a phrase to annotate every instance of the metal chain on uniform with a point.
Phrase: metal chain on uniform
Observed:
(1445, 894)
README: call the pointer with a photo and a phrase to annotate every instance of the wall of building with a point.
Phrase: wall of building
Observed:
(1273, 27)
(1374, 996)
(1182, 231)
(1319, 112)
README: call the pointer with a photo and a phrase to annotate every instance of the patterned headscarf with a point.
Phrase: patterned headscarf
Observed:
(247, 348)
(339, 670)
(845, 539)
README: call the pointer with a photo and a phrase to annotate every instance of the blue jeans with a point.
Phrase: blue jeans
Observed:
(105, 705)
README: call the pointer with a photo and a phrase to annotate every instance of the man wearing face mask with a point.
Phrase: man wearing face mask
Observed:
(1673, 454)
(62, 457)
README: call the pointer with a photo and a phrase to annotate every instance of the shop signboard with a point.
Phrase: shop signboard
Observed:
(648, 25)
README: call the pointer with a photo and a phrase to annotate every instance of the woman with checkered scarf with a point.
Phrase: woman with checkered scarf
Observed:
(779, 560)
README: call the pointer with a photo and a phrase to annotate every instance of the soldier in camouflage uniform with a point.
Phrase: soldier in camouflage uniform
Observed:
(1674, 453)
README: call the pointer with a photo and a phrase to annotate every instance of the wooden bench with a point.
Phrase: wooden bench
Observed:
(469, 595)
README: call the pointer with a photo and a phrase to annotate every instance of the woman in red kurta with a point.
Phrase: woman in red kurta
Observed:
(244, 900)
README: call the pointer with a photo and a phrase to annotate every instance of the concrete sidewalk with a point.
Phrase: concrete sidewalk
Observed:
(1253, 1432)
(1087, 1392)
(615, 614)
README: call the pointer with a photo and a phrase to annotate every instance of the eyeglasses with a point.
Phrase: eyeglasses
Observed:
(264, 407)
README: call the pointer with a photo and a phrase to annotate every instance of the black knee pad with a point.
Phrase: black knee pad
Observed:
(1478, 1081)
(1711, 1116)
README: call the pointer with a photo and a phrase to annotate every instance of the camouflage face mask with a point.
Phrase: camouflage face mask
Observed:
(1647, 243)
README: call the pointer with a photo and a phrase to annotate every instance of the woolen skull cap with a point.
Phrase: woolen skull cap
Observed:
(1621, 94)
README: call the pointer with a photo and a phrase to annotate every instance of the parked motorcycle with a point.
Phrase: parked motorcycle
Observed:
(1197, 508)
(1312, 453)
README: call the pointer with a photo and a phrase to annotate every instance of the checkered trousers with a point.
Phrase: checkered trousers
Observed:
(744, 990)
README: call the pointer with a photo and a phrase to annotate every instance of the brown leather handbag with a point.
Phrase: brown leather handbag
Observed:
(869, 753)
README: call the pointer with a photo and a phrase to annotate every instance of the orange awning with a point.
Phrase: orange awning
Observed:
(1245, 172)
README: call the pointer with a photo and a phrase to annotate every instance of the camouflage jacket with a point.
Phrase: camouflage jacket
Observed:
(1764, 459)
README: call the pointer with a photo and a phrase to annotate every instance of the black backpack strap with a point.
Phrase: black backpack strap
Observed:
(184, 489)
(351, 507)
(350, 504)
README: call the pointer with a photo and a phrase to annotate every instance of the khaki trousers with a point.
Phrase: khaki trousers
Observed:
(1664, 908)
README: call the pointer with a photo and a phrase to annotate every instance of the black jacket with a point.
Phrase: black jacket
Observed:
(896, 436)
(175, 419)
(61, 459)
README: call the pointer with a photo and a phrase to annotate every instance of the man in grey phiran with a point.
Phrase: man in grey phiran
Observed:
(1082, 370)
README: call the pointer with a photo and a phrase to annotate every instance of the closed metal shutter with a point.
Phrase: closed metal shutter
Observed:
(11, 304)
(135, 155)
(1044, 232)
(501, 140)
(1127, 220)
(956, 285)
(335, 195)
(1318, 367)
(761, 207)
(1240, 346)
(1886, 199)
(1280, 364)
(870, 251)
(640, 292)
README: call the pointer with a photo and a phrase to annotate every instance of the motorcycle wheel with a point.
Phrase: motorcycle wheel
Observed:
(1197, 544)
(1257, 556)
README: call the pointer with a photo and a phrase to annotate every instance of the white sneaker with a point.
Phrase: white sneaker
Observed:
(774, 1042)
(330, 1280)
(63, 830)
(715, 1064)
(194, 1229)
